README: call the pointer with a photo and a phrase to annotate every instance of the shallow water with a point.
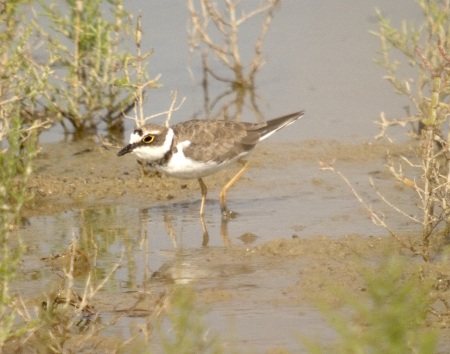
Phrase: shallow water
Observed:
(319, 58)
(165, 237)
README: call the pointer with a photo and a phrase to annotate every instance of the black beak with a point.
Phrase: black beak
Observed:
(126, 150)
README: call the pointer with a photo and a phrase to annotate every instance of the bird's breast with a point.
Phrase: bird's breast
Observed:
(181, 166)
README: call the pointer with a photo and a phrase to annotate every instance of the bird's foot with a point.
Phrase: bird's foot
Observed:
(228, 214)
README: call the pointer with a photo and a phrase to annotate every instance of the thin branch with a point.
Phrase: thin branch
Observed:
(172, 108)
(442, 51)
(376, 219)
(384, 199)
(169, 111)
(426, 63)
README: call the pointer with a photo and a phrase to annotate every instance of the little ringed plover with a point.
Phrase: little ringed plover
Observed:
(198, 148)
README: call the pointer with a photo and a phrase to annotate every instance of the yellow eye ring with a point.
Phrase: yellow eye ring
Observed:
(148, 139)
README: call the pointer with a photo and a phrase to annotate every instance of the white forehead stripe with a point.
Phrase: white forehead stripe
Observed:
(134, 138)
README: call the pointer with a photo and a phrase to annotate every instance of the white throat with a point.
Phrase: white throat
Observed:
(151, 152)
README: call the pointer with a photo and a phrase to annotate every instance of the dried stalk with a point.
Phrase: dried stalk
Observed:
(215, 31)
(376, 218)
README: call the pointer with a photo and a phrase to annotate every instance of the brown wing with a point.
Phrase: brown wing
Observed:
(215, 140)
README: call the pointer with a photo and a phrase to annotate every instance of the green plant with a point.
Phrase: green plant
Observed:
(388, 317)
(89, 84)
(422, 47)
(15, 169)
(20, 88)
(189, 334)
(428, 90)
(22, 81)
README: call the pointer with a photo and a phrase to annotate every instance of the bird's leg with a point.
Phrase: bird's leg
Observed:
(204, 192)
(223, 194)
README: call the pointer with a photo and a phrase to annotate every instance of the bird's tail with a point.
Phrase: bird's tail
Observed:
(273, 125)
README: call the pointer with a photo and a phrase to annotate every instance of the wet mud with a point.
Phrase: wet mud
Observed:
(278, 278)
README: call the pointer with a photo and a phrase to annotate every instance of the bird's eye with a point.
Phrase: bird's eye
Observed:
(148, 139)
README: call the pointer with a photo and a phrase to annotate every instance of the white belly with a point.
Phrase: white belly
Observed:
(185, 168)
(180, 166)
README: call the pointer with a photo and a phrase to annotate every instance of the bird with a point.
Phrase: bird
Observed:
(198, 148)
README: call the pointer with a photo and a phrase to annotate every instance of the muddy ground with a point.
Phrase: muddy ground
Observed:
(70, 175)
